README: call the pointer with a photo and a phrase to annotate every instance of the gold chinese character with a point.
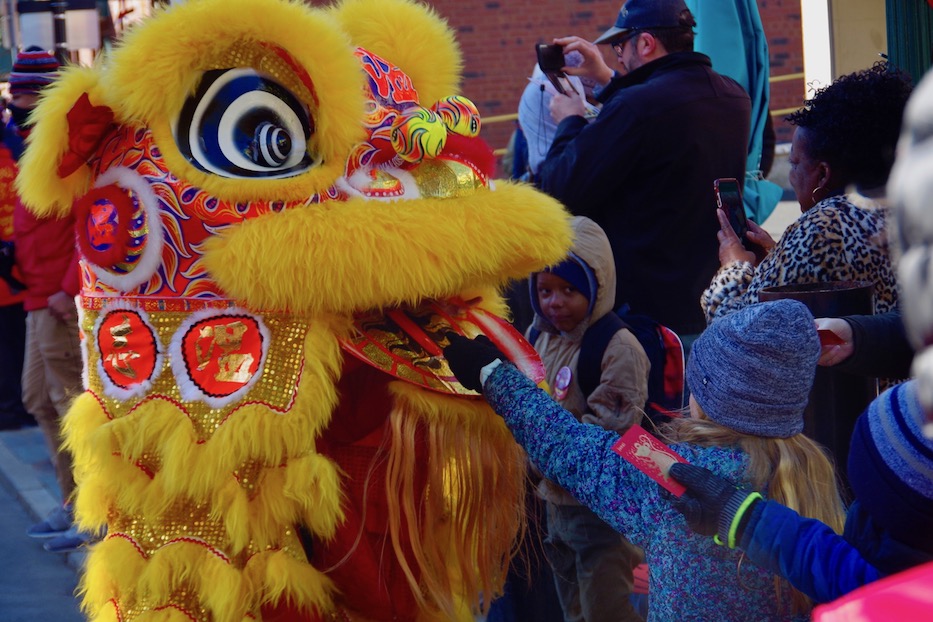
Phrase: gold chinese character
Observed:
(228, 338)
(121, 360)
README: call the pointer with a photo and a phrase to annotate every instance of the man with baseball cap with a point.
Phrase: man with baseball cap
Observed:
(644, 168)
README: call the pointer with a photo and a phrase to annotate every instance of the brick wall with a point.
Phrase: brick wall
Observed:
(781, 21)
(498, 38)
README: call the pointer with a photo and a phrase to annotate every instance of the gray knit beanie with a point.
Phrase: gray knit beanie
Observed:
(752, 370)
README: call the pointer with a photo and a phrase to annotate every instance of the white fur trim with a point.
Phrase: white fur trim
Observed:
(360, 177)
(141, 388)
(152, 254)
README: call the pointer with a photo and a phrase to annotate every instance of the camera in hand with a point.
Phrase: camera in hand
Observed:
(551, 62)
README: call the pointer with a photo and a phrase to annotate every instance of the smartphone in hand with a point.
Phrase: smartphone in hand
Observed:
(729, 199)
(551, 62)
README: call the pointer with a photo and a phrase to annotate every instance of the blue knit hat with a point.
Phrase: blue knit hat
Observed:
(891, 466)
(33, 69)
(752, 370)
(576, 272)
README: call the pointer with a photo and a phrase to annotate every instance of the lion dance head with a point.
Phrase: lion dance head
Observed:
(281, 212)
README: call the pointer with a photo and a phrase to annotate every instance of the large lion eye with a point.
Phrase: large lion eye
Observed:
(241, 123)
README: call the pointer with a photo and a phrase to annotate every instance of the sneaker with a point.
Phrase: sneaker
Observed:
(70, 541)
(55, 524)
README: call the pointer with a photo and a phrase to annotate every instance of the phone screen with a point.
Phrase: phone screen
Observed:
(729, 198)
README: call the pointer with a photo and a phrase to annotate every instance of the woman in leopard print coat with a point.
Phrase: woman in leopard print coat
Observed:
(845, 137)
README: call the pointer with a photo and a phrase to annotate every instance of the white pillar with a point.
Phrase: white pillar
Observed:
(817, 44)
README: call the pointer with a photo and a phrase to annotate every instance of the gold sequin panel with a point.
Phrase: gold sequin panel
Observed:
(192, 524)
(276, 386)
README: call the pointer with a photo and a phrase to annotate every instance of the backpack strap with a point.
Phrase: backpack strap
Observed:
(533, 334)
(592, 348)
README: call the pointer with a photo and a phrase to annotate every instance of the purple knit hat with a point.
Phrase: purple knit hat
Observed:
(34, 68)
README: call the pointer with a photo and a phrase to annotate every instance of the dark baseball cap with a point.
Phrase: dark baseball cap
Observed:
(645, 15)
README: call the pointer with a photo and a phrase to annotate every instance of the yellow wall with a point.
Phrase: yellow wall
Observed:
(859, 34)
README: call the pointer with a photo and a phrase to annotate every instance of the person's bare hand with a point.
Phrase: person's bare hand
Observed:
(62, 307)
(730, 247)
(834, 354)
(593, 66)
(759, 236)
(563, 106)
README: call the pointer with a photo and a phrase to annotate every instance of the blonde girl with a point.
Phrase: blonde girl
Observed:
(749, 375)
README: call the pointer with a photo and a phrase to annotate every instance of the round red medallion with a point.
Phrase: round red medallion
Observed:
(222, 354)
(127, 346)
(104, 219)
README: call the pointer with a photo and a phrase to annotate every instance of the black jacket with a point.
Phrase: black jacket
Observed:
(881, 346)
(644, 171)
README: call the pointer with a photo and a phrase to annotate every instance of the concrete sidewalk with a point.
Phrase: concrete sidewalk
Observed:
(26, 470)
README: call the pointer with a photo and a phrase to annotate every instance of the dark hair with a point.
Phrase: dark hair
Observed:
(854, 123)
(677, 38)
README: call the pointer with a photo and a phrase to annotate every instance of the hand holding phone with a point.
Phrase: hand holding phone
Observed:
(729, 199)
(551, 62)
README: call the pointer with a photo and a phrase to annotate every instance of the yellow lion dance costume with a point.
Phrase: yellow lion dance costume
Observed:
(282, 211)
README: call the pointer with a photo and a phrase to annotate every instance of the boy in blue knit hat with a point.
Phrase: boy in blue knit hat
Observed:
(592, 562)
(887, 526)
(749, 376)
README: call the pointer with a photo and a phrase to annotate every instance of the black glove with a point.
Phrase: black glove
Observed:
(7, 261)
(710, 503)
(467, 357)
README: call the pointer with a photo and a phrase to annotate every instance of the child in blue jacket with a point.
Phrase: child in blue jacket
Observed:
(889, 526)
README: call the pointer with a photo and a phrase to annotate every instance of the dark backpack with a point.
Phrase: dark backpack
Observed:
(662, 346)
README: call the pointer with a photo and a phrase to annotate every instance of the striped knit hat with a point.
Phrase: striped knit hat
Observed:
(891, 466)
(34, 68)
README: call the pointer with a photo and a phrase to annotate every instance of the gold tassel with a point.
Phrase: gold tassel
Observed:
(80, 429)
(463, 533)
(108, 614)
(110, 572)
(313, 482)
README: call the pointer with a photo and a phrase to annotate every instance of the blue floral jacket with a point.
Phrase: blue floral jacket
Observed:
(691, 578)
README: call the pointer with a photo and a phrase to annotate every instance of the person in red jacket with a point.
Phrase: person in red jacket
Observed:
(47, 257)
